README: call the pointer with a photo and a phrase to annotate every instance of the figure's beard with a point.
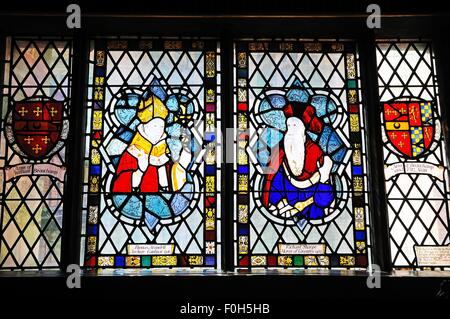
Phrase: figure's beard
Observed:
(294, 145)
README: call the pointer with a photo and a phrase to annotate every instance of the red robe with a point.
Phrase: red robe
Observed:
(128, 164)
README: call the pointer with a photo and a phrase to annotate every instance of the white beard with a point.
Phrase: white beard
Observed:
(294, 145)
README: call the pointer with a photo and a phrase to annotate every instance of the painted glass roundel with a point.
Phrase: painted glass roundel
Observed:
(301, 149)
(152, 176)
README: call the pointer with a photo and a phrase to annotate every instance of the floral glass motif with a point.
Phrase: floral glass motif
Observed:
(151, 174)
(35, 127)
(301, 175)
(416, 168)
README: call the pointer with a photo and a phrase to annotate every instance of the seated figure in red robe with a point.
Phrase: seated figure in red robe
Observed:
(145, 166)
(299, 182)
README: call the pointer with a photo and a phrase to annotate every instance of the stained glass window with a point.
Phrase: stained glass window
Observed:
(35, 126)
(152, 180)
(151, 189)
(300, 174)
(416, 168)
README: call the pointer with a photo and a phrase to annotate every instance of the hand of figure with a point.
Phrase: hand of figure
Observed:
(142, 161)
(301, 205)
(325, 170)
(141, 157)
(158, 160)
(136, 178)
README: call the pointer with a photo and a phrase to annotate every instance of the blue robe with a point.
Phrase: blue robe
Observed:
(281, 187)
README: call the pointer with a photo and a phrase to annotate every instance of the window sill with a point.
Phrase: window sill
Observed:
(158, 285)
(218, 273)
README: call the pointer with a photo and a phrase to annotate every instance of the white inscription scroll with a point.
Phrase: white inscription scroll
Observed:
(58, 172)
(433, 256)
(151, 249)
(414, 168)
(301, 249)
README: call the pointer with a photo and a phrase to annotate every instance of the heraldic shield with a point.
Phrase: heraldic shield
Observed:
(410, 126)
(37, 126)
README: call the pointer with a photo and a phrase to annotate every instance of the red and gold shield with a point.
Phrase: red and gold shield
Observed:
(409, 126)
(37, 126)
